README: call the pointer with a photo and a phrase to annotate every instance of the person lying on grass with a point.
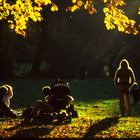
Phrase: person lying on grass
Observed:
(57, 97)
(6, 93)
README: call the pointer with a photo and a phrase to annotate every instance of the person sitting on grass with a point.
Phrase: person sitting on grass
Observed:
(6, 93)
(40, 107)
(57, 96)
(135, 93)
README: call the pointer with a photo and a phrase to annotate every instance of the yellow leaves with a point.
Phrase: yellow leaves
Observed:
(54, 7)
(36, 8)
(76, 6)
(92, 10)
(115, 17)
(119, 2)
(88, 5)
(42, 2)
(46, 2)
(23, 10)
(6, 5)
(105, 1)
(105, 10)
(115, 2)
(12, 26)
(79, 3)
(74, 1)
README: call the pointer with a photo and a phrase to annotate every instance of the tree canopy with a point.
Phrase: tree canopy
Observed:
(17, 13)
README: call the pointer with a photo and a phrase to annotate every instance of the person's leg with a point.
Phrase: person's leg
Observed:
(127, 103)
(121, 101)
(40, 105)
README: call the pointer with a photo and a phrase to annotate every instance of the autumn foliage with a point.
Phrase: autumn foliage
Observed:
(18, 13)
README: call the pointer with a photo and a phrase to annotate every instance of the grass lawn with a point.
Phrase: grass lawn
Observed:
(97, 105)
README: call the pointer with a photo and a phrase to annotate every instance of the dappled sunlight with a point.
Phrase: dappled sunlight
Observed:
(100, 119)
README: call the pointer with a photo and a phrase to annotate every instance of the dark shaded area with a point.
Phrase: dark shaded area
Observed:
(31, 133)
(34, 132)
(64, 41)
(100, 126)
(34, 129)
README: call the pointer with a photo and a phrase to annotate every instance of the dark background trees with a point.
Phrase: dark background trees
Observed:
(70, 45)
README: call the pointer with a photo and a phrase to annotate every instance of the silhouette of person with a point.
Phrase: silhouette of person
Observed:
(6, 93)
(57, 96)
(124, 78)
(135, 93)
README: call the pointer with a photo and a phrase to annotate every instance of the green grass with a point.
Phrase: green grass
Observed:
(97, 105)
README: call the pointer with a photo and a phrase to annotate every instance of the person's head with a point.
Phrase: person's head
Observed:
(46, 90)
(10, 90)
(3, 91)
(124, 64)
(58, 81)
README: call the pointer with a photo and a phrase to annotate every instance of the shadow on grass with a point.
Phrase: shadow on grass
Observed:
(100, 126)
(32, 132)
(34, 129)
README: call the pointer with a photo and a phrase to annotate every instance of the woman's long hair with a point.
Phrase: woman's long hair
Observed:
(124, 64)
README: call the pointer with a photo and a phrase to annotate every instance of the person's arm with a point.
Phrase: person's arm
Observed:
(4, 106)
(116, 77)
(7, 109)
(132, 75)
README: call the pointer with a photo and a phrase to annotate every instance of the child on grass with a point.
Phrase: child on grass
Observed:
(6, 93)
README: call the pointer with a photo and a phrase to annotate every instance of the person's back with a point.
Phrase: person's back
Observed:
(61, 95)
(60, 88)
(124, 79)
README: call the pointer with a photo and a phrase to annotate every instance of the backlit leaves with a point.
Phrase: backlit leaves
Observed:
(115, 17)
(115, 2)
(88, 5)
(19, 13)
(54, 7)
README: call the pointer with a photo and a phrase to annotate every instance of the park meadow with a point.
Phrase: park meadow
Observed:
(96, 102)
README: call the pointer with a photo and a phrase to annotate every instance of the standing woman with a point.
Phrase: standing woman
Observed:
(124, 78)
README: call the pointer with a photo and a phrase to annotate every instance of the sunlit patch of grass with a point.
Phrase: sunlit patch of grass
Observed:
(127, 127)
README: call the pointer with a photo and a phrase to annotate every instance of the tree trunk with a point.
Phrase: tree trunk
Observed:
(40, 50)
(1, 33)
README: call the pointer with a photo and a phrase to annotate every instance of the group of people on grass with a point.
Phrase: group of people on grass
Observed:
(58, 95)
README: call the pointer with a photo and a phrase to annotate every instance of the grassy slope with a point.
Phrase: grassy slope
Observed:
(96, 103)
